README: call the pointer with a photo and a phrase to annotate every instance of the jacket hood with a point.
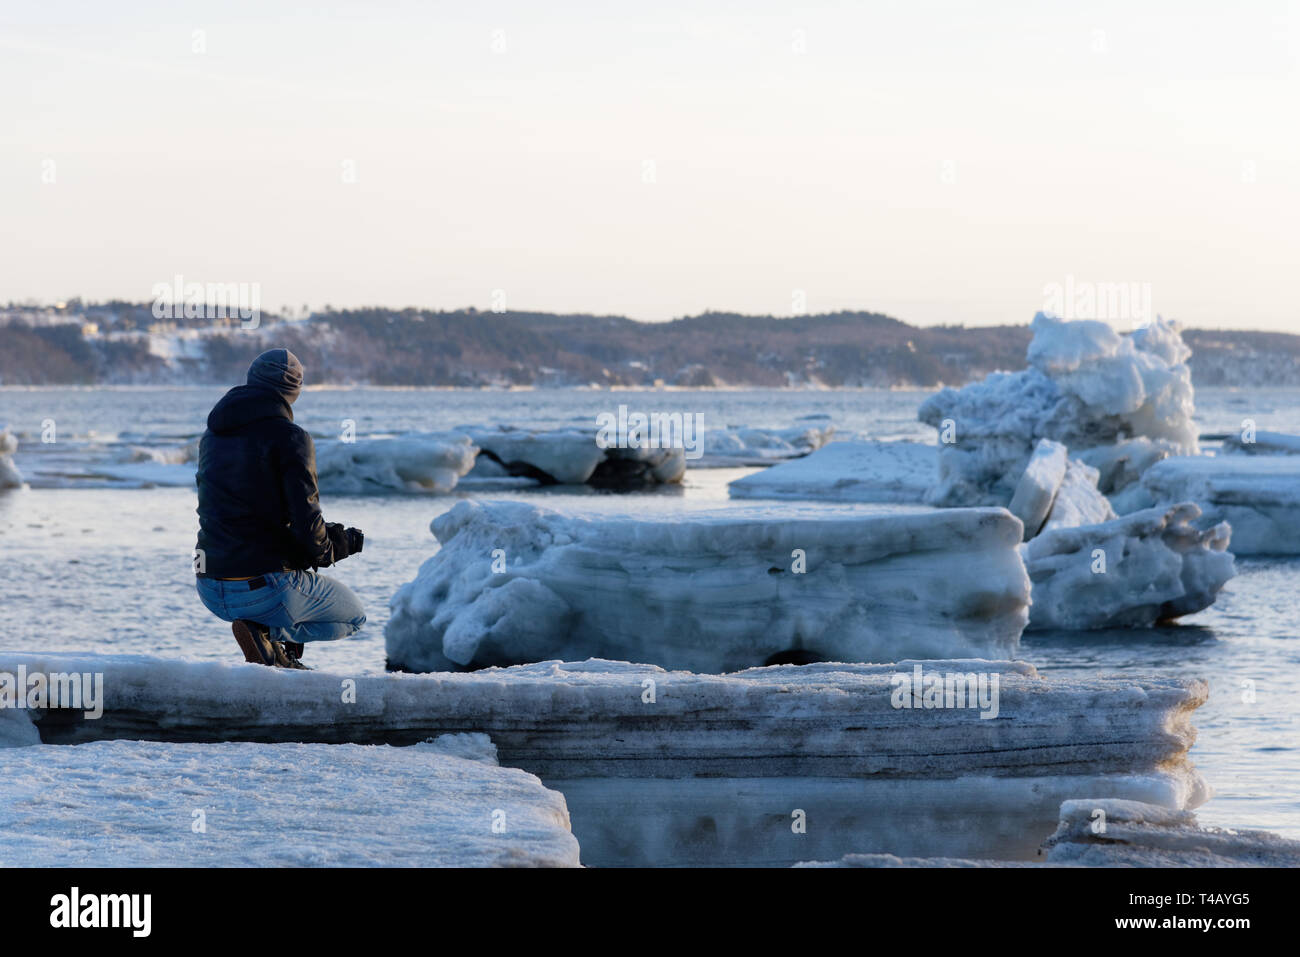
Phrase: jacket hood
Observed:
(247, 403)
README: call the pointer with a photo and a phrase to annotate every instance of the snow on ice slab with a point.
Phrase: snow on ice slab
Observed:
(711, 591)
(133, 804)
(1150, 566)
(614, 719)
(883, 472)
(1036, 490)
(431, 462)
(1258, 495)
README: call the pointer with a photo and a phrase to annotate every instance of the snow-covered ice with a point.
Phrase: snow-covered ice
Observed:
(237, 804)
(563, 456)
(432, 462)
(1258, 495)
(674, 767)
(753, 446)
(848, 471)
(1086, 386)
(713, 591)
(1036, 491)
(17, 729)
(610, 719)
(428, 462)
(1262, 443)
(146, 474)
(572, 457)
(1078, 501)
(1120, 466)
(709, 822)
(10, 477)
(1143, 835)
(1057, 491)
(1135, 834)
(1135, 570)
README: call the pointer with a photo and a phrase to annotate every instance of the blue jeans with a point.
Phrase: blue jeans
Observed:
(297, 606)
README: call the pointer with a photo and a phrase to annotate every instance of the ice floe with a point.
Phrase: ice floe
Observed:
(710, 591)
(1120, 466)
(1258, 495)
(1261, 443)
(898, 472)
(573, 457)
(427, 462)
(1119, 833)
(752, 446)
(237, 804)
(10, 477)
(557, 719)
(561, 456)
(1086, 387)
(1111, 832)
(1136, 570)
(673, 767)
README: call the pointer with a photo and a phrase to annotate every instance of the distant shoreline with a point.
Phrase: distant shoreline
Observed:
(123, 344)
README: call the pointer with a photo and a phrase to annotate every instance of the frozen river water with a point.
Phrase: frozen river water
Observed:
(91, 568)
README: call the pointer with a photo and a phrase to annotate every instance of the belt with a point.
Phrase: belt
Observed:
(254, 583)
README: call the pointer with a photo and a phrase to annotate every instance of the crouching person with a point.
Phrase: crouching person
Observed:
(261, 533)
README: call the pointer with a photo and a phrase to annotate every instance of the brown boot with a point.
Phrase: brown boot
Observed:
(255, 642)
(287, 654)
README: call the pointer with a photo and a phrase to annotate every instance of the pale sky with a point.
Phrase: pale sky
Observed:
(940, 162)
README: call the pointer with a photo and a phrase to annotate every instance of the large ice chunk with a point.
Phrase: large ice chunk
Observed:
(871, 471)
(1258, 495)
(711, 591)
(1137, 570)
(132, 804)
(1086, 386)
(609, 719)
(563, 456)
(574, 457)
(419, 462)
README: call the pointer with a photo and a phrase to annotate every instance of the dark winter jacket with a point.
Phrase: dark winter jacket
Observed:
(259, 508)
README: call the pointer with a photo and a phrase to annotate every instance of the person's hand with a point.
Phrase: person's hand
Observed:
(340, 540)
(356, 538)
